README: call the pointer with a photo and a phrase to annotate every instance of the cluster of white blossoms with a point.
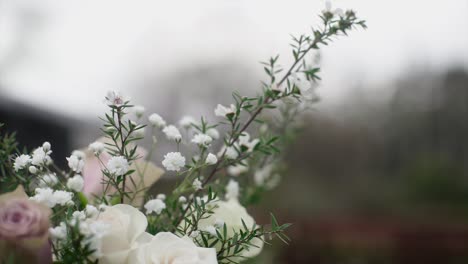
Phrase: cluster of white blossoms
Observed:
(92, 230)
(39, 158)
(118, 235)
(202, 140)
(76, 183)
(156, 120)
(197, 185)
(213, 133)
(187, 122)
(41, 155)
(48, 180)
(22, 162)
(117, 180)
(155, 205)
(172, 133)
(118, 165)
(173, 161)
(51, 198)
(97, 147)
(76, 161)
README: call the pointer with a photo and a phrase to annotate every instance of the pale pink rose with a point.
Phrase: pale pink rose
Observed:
(146, 173)
(24, 228)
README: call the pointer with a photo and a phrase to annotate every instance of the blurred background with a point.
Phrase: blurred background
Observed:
(379, 172)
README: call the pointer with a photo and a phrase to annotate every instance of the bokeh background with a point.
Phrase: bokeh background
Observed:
(379, 172)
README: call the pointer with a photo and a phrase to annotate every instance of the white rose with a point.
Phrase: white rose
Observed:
(167, 248)
(232, 213)
(127, 227)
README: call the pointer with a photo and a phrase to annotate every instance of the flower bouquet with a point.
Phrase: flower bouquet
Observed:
(100, 209)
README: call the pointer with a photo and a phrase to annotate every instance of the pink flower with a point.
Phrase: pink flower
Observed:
(146, 173)
(24, 226)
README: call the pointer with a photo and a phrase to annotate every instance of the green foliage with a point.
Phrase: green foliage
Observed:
(75, 248)
(8, 147)
(122, 134)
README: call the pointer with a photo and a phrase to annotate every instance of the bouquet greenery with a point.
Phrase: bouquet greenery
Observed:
(100, 210)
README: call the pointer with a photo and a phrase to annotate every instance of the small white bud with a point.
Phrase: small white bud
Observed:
(46, 146)
(211, 159)
(32, 169)
(182, 199)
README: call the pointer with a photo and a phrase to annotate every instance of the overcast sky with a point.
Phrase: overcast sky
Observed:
(64, 55)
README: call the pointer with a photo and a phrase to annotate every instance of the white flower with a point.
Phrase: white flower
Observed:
(244, 142)
(118, 165)
(78, 216)
(76, 183)
(187, 121)
(59, 232)
(210, 229)
(182, 199)
(155, 205)
(328, 9)
(213, 133)
(96, 230)
(91, 211)
(224, 111)
(97, 147)
(75, 163)
(172, 133)
(80, 154)
(126, 226)
(46, 146)
(41, 157)
(44, 196)
(48, 180)
(229, 152)
(173, 161)
(197, 185)
(167, 248)
(232, 213)
(139, 110)
(238, 169)
(21, 162)
(301, 82)
(102, 207)
(202, 140)
(115, 99)
(62, 197)
(161, 196)
(232, 190)
(156, 120)
(211, 159)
